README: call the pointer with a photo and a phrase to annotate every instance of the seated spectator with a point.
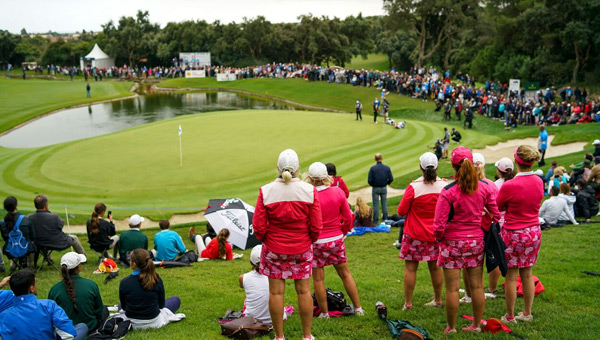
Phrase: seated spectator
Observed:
(132, 238)
(552, 209)
(557, 178)
(217, 248)
(6, 296)
(7, 225)
(48, 228)
(586, 205)
(337, 180)
(167, 243)
(504, 171)
(79, 297)
(569, 197)
(142, 295)
(550, 171)
(51, 322)
(363, 214)
(456, 136)
(256, 286)
(102, 234)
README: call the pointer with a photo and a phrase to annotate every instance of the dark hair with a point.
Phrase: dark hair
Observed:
(99, 209)
(331, 171)
(429, 175)
(21, 281)
(507, 175)
(466, 177)
(222, 239)
(10, 205)
(589, 156)
(40, 201)
(582, 183)
(70, 288)
(164, 224)
(554, 191)
(148, 276)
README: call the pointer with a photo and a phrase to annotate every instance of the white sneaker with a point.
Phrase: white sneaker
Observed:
(397, 244)
(465, 299)
(523, 317)
(359, 311)
(324, 316)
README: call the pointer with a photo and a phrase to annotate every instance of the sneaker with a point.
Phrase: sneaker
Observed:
(465, 299)
(324, 316)
(523, 317)
(359, 311)
(508, 319)
(282, 338)
(407, 307)
(471, 328)
(312, 337)
(397, 244)
(433, 303)
(490, 295)
(449, 331)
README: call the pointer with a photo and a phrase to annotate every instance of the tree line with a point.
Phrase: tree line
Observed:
(550, 41)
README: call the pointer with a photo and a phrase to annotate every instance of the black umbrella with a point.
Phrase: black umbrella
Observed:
(235, 215)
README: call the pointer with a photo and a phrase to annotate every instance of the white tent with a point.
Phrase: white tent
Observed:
(97, 58)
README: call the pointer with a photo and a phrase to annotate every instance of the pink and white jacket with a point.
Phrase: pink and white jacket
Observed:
(337, 216)
(418, 205)
(287, 217)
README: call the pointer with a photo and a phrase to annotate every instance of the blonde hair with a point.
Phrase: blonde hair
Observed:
(559, 171)
(362, 209)
(317, 182)
(527, 154)
(480, 170)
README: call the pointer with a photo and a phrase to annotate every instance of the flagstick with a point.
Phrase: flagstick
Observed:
(68, 224)
(180, 152)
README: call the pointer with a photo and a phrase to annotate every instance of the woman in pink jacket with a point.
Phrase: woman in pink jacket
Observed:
(287, 219)
(520, 198)
(458, 228)
(329, 249)
(418, 243)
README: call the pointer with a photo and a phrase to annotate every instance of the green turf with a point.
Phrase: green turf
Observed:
(374, 61)
(23, 100)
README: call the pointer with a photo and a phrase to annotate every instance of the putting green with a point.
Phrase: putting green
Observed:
(225, 154)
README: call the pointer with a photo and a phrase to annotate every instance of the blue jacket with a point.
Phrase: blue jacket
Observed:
(380, 175)
(168, 245)
(6, 299)
(51, 321)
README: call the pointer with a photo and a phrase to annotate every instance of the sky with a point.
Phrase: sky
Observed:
(70, 16)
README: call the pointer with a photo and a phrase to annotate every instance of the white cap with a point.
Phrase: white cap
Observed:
(255, 254)
(288, 160)
(539, 172)
(505, 163)
(428, 159)
(478, 158)
(72, 259)
(596, 142)
(357, 102)
(317, 170)
(135, 220)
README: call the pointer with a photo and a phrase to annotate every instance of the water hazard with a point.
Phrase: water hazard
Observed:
(100, 119)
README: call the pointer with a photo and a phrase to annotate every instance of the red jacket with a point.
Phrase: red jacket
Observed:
(287, 217)
(520, 198)
(339, 182)
(418, 205)
(212, 250)
(337, 216)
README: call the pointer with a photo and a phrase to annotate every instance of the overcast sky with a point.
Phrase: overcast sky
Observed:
(69, 16)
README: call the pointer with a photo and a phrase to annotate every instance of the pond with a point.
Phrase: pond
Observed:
(100, 119)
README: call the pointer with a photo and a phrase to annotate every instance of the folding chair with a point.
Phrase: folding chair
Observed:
(46, 253)
(101, 254)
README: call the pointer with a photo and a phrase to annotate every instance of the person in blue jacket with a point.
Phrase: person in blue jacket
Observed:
(543, 144)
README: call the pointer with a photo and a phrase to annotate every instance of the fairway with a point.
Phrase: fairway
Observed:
(225, 154)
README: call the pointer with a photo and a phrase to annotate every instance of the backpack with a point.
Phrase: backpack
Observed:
(17, 245)
(335, 300)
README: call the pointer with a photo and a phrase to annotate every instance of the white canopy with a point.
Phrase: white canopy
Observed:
(97, 58)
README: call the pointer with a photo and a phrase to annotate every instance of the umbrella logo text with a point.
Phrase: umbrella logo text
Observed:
(230, 216)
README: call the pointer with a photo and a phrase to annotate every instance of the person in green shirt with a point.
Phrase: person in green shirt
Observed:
(133, 238)
(79, 297)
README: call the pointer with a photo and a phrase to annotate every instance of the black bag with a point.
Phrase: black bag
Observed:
(189, 257)
(245, 328)
(335, 301)
(494, 250)
(111, 329)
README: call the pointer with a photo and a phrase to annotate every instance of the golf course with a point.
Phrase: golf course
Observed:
(232, 153)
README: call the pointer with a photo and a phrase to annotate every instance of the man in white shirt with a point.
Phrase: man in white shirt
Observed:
(552, 208)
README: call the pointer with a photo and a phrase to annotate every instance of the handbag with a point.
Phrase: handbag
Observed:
(245, 328)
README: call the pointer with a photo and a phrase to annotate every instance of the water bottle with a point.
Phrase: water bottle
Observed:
(381, 310)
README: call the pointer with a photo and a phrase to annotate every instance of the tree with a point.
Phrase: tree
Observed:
(8, 43)
(133, 38)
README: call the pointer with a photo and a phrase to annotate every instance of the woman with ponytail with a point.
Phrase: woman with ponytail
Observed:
(458, 229)
(217, 249)
(79, 297)
(287, 219)
(142, 295)
(101, 233)
(26, 228)
(520, 198)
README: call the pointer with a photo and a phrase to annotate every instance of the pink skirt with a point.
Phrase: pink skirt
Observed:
(458, 254)
(522, 246)
(415, 250)
(329, 254)
(284, 267)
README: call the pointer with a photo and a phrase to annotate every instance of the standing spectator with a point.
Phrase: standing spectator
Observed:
(596, 144)
(7, 225)
(51, 321)
(504, 171)
(376, 104)
(542, 144)
(88, 90)
(102, 234)
(167, 243)
(380, 176)
(288, 220)
(337, 181)
(520, 198)
(48, 228)
(329, 249)
(446, 143)
(457, 228)
(132, 238)
(358, 107)
(78, 297)
(586, 205)
(469, 116)
(418, 243)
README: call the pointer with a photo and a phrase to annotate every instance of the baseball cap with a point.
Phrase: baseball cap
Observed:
(135, 220)
(478, 158)
(596, 142)
(459, 154)
(255, 254)
(505, 163)
(72, 260)
(428, 159)
(288, 160)
(317, 170)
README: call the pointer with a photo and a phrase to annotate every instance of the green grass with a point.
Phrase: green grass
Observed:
(23, 100)
(568, 309)
(374, 61)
